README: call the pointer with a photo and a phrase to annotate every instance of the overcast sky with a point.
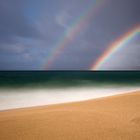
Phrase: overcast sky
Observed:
(31, 29)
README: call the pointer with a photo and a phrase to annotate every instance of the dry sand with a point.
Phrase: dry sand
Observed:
(109, 118)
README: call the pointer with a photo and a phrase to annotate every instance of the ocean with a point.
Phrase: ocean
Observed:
(19, 89)
(62, 79)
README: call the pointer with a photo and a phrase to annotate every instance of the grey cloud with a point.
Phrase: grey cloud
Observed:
(13, 23)
(18, 33)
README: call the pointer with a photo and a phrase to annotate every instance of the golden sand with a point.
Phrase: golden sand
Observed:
(109, 118)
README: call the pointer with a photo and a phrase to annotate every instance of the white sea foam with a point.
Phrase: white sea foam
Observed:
(11, 99)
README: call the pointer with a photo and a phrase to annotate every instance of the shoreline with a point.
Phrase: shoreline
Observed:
(72, 102)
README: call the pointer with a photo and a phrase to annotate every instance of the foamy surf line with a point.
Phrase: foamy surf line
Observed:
(15, 99)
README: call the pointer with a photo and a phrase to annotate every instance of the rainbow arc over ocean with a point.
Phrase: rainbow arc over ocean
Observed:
(77, 26)
(82, 21)
(115, 46)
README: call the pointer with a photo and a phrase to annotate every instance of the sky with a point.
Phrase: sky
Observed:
(67, 34)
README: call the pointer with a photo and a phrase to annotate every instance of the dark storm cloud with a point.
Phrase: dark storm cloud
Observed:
(31, 29)
(18, 35)
(13, 23)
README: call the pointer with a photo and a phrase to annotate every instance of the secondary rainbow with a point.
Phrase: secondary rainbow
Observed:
(75, 28)
(115, 46)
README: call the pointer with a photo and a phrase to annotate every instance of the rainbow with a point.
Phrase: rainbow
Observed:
(115, 46)
(77, 26)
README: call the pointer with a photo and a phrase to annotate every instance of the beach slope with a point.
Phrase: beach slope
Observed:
(109, 118)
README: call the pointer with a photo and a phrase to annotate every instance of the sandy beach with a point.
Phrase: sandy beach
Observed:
(108, 118)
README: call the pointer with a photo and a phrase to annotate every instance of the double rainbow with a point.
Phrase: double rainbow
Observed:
(78, 25)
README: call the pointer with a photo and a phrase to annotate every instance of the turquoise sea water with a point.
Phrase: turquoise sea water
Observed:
(29, 79)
